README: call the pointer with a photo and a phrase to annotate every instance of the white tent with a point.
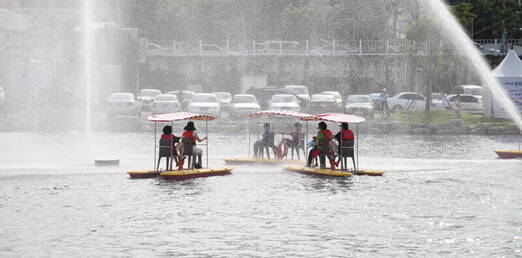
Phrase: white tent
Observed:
(509, 73)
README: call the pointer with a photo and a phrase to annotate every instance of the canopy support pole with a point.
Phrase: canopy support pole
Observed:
(306, 143)
(206, 145)
(248, 129)
(357, 146)
(155, 146)
(171, 159)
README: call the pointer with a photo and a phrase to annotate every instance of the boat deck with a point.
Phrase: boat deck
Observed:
(336, 173)
(246, 161)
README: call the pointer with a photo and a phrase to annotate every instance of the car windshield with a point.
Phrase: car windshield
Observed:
(473, 91)
(298, 90)
(358, 99)
(283, 99)
(204, 98)
(244, 99)
(223, 95)
(149, 93)
(166, 98)
(322, 97)
(336, 95)
(121, 96)
(437, 96)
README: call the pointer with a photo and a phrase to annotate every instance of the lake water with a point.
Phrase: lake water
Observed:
(440, 196)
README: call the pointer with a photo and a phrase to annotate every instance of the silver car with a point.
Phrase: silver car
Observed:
(244, 104)
(122, 103)
(146, 98)
(205, 103)
(166, 103)
(225, 98)
(359, 104)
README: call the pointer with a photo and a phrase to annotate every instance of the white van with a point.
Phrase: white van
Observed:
(475, 90)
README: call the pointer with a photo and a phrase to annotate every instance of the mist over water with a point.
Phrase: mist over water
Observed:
(441, 195)
(451, 29)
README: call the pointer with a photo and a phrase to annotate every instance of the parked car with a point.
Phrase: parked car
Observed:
(122, 103)
(264, 94)
(184, 97)
(359, 105)
(338, 98)
(301, 92)
(467, 103)
(285, 102)
(146, 98)
(440, 101)
(205, 103)
(244, 104)
(322, 103)
(376, 101)
(166, 103)
(407, 101)
(2, 95)
(225, 98)
(474, 90)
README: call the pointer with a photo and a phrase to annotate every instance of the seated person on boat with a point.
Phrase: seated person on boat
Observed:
(190, 133)
(324, 147)
(345, 139)
(168, 143)
(293, 140)
(267, 141)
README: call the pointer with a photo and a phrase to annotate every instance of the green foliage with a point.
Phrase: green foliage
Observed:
(464, 13)
(489, 18)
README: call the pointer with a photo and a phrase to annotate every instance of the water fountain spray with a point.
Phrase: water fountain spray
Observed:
(88, 44)
(449, 26)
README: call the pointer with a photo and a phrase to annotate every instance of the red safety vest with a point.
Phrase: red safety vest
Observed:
(347, 134)
(189, 134)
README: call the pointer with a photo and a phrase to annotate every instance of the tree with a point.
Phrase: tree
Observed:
(493, 17)
(463, 12)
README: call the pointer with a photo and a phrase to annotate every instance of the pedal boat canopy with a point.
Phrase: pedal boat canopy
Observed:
(171, 117)
(275, 113)
(337, 118)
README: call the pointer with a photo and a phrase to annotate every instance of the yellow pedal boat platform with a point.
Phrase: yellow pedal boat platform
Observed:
(193, 173)
(140, 174)
(509, 154)
(328, 172)
(247, 161)
(318, 171)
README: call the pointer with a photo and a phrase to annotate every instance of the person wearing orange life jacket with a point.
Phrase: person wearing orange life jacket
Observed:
(190, 132)
(346, 139)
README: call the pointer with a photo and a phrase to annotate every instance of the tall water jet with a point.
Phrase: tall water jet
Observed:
(452, 29)
(87, 62)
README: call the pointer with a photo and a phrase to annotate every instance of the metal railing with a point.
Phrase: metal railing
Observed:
(307, 47)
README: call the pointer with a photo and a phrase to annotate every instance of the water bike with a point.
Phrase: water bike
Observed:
(506, 154)
(280, 151)
(167, 150)
(348, 151)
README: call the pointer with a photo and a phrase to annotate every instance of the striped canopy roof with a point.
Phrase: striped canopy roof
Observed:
(339, 118)
(302, 116)
(179, 116)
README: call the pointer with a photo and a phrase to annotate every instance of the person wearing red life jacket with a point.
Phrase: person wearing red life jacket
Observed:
(167, 145)
(190, 132)
(346, 140)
